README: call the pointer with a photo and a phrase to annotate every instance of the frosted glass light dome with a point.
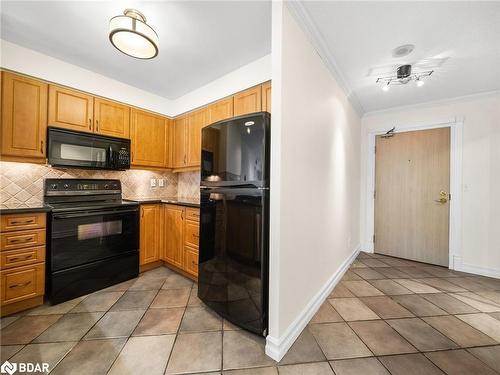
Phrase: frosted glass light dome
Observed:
(131, 35)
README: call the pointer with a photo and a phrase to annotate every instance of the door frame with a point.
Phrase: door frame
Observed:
(456, 145)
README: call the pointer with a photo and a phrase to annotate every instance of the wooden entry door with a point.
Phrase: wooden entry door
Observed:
(412, 181)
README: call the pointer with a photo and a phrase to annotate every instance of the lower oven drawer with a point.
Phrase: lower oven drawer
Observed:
(21, 257)
(20, 239)
(21, 283)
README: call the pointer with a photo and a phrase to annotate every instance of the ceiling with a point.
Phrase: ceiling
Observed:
(199, 41)
(459, 40)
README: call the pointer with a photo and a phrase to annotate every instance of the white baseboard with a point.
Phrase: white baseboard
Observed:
(459, 265)
(276, 347)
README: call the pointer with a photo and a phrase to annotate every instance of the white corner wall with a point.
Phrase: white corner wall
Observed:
(480, 242)
(315, 176)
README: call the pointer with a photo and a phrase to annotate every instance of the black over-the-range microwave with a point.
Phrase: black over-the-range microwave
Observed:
(66, 148)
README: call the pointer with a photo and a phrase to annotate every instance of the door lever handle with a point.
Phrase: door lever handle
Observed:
(441, 200)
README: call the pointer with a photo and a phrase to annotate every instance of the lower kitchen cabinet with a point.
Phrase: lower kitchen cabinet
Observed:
(173, 234)
(150, 233)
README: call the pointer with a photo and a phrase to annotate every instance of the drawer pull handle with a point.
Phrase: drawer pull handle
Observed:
(19, 285)
(194, 263)
(196, 235)
(22, 222)
(16, 259)
(25, 240)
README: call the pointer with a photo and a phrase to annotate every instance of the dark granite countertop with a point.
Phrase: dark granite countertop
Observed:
(177, 201)
(23, 210)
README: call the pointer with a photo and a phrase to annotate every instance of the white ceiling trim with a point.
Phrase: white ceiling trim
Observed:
(432, 103)
(315, 37)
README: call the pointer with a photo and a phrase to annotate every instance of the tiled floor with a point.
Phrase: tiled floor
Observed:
(386, 316)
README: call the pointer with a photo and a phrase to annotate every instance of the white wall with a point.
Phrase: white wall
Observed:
(314, 182)
(480, 242)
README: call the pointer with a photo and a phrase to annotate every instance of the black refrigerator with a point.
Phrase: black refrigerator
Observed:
(234, 220)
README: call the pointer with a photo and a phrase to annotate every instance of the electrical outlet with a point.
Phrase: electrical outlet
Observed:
(153, 182)
(161, 182)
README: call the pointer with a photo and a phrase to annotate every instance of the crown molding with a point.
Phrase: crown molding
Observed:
(318, 42)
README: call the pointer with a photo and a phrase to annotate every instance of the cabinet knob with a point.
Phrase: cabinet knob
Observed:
(90, 124)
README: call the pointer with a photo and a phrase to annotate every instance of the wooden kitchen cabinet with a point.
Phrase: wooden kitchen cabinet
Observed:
(71, 109)
(149, 139)
(248, 101)
(178, 142)
(24, 118)
(111, 118)
(174, 234)
(220, 110)
(266, 96)
(150, 233)
(195, 122)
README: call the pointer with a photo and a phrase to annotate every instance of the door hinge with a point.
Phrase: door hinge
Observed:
(374, 194)
(373, 238)
(375, 149)
(449, 197)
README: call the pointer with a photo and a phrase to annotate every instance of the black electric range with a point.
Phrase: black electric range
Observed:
(93, 237)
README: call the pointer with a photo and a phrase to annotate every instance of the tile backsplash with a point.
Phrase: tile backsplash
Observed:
(21, 184)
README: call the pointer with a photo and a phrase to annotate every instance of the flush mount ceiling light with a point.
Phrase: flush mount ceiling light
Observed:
(403, 76)
(131, 35)
(403, 50)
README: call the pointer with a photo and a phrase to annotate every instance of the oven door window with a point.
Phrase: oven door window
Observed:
(79, 238)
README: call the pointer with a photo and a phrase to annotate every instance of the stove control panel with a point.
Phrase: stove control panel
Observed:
(76, 186)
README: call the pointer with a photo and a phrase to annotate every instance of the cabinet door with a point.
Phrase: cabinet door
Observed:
(195, 121)
(24, 117)
(178, 143)
(191, 261)
(174, 234)
(111, 118)
(150, 233)
(248, 101)
(148, 139)
(266, 96)
(220, 110)
(70, 109)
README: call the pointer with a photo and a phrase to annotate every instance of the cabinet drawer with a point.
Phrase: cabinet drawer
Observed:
(193, 214)
(22, 283)
(21, 257)
(192, 233)
(21, 239)
(191, 260)
(22, 221)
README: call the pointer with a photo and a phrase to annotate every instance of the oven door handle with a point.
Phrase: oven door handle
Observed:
(91, 213)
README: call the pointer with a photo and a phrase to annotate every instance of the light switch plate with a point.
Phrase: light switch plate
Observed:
(153, 182)
(161, 182)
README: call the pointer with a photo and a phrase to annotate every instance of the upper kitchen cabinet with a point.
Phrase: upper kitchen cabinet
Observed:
(266, 96)
(24, 118)
(195, 122)
(178, 142)
(248, 101)
(149, 139)
(220, 110)
(111, 118)
(71, 109)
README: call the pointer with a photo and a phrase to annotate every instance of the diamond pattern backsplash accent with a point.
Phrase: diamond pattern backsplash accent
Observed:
(21, 184)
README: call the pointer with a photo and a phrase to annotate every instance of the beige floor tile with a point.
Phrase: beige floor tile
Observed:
(450, 304)
(357, 264)
(196, 352)
(418, 305)
(415, 286)
(410, 364)
(349, 276)
(319, 368)
(115, 324)
(133, 300)
(459, 362)
(390, 287)
(304, 349)
(176, 281)
(228, 326)
(51, 353)
(253, 371)
(416, 272)
(338, 341)
(90, 357)
(7, 351)
(421, 335)
(351, 309)
(61, 308)
(489, 355)
(121, 287)
(326, 314)
(386, 308)
(159, 322)
(442, 284)
(238, 342)
(374, 263)
(393, 273)
(368, 273)
(393, 262)
(495, 315)
(97, 302)
(381, 338)
(467, 283)
(171, 298)
(483, 322)
(440, 272)
(340, 291)
(193, 298)
(480, 303)
(361, 288)
(144, 355)
(25, 329)
(493, 296)
(200, 319)
(359, 366)
(4, 322)
(71, 327)
(143, 283)
(458, 331)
